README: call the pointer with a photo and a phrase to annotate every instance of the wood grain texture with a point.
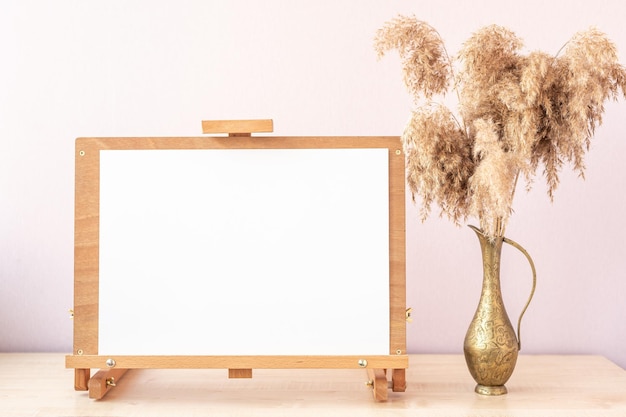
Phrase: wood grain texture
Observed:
(86, 238)
(437, 386)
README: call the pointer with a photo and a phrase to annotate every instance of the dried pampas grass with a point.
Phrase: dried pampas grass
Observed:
(516, 113)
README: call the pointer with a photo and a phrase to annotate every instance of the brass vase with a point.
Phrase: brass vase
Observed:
(491, 345)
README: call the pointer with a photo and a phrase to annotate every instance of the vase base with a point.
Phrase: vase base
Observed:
(490, 389)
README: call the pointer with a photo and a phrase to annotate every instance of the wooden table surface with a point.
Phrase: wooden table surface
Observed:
(37, 384)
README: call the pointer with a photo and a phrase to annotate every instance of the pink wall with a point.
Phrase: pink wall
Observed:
(73, 68)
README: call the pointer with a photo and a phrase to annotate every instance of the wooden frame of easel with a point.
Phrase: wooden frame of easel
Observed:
(85, 356)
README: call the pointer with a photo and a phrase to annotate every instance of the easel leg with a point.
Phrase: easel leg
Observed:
(378, 381)
(398, 380)
(81, 379)
(103, 381)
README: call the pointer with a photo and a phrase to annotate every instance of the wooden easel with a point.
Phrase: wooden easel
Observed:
(384, 372)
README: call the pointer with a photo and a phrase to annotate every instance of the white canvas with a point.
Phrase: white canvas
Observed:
(244, 252)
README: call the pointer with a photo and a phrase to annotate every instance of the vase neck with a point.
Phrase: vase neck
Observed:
(491, 250)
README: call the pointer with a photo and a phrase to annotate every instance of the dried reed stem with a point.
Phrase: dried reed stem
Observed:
(518, 113)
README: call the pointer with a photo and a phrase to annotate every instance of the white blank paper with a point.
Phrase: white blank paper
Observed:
(244, 252)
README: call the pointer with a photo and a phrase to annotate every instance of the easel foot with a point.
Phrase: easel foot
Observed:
(380, 386)
(103, 381)
(378, 382)
(81, 379)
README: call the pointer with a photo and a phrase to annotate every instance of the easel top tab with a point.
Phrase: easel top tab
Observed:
(238, 127)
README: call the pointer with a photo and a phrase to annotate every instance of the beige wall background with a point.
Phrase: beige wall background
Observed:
(159, 67)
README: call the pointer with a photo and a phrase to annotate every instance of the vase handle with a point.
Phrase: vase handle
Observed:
(532, 292)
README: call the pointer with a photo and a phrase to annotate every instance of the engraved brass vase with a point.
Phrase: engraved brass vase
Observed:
(491, 344)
